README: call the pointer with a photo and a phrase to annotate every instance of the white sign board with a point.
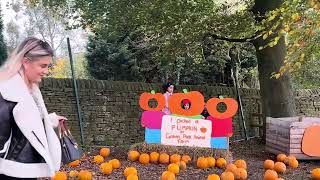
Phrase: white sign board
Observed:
(182, 131)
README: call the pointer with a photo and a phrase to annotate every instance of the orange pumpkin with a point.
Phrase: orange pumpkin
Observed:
(74, 163)
(154, 157)
(182, 165)
(130, 170)
(202, 163)
(174, 168)
(268, 164)
(59, 175)
(281, 157)
(241, 164)
(144, 158)
(164, 158)
(115, 163)
(211, 161)
(288, 158)
(104, 152)
(85, 175)
(315, 174)
(167, 175)
(186, 158)
(132, 177)
(231, 168)
(106, 168)
(213, 177)
(196, 99)
(240, 174)
(144, 101)
(227, 176)
(270, 175)
(133, 155)
(221, 163)
(73, 174)
(232, 107)
(175, 158)
(98, 159)
(279, 167)
(293, 163)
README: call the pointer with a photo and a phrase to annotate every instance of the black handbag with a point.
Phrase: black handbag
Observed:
(69, 148)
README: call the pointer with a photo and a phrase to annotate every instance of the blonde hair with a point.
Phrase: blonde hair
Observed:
(32, 48)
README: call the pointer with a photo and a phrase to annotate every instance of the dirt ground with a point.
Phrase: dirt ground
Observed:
(252, 151)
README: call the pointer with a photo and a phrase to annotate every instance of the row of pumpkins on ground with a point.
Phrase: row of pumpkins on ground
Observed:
(177, 163)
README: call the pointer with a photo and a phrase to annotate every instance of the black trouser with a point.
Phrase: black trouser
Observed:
(4, 177)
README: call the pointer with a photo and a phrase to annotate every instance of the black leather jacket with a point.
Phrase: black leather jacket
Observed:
(20, 149)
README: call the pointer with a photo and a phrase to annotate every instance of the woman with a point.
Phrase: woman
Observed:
(168, 91)
(29, 146)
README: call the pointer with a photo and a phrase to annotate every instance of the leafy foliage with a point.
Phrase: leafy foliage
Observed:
(3, 49)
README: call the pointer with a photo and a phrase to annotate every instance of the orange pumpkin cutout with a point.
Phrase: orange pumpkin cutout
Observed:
(310, 136)
(196, 99)
(144, 101)
(232, 107)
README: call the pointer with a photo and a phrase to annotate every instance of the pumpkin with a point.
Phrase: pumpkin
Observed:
(293, 163)
(144, 101)
(167, 175)
(98, 159)
(221, 163)
(74, 163)
(154, 157)
(174, 168)
(279, 179)
(133, 155)
(281, 157)
(186, 158)
(196, 99)
(106, 168)
(164, 158)
(130, 170)
(175, 158)
(182, 165)
(227, 176)
(213, 177)
(279, 167)
(231, 168)
(73, 174)
(104, 152)
(202, 163)
(270, 175)
(115, 163)
(241, 164)
(240, 174)
(85, 175)
(59, 175)
(315, 174)
(232, 107)
(288, 158)
(211, 161)
(268, 164)
(132, 177)
(144, 158)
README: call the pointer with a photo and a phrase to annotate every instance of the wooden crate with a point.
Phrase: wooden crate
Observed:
(284, 135)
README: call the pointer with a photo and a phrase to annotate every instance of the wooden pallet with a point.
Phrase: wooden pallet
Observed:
(284, 135)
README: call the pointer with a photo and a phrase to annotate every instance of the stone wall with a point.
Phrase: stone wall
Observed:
(111, 112)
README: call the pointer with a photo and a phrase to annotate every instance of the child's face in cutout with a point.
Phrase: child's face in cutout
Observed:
(186, 106)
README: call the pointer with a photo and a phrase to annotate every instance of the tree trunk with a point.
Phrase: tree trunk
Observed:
(276, 94)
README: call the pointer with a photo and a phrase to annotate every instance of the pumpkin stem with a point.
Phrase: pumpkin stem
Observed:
(153, 92)
(185, 90)
(221, 97)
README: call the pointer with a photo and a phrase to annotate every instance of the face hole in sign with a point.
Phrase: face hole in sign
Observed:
(186, 104)
(221, 107)
(153, 103)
